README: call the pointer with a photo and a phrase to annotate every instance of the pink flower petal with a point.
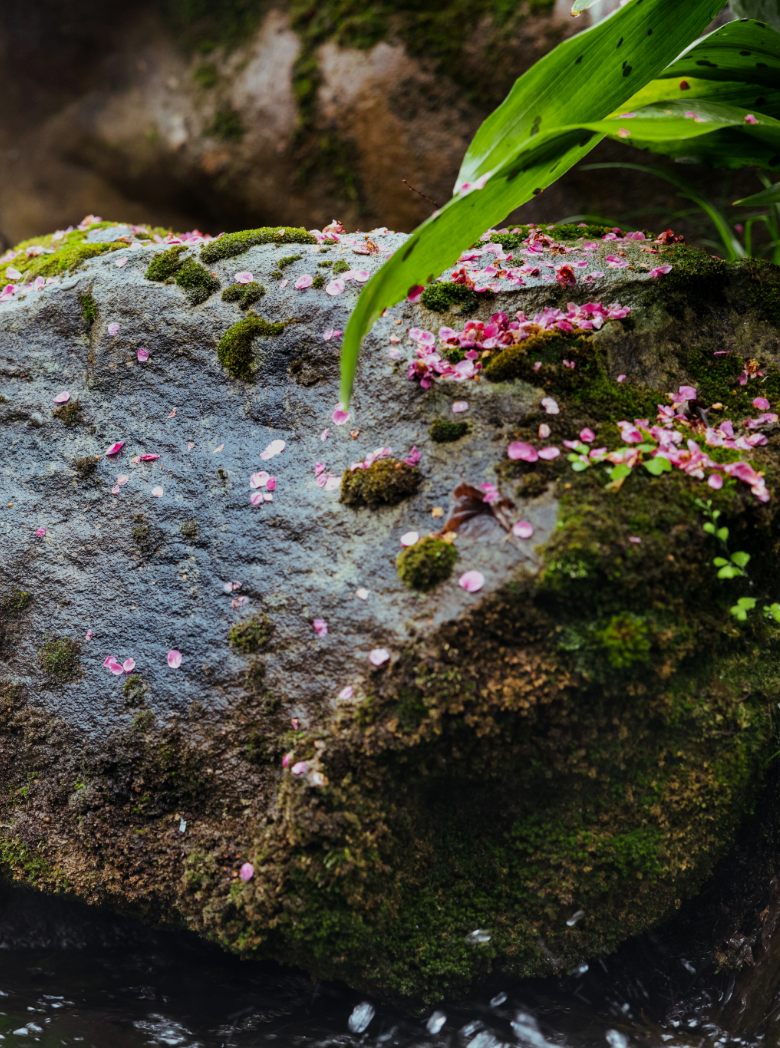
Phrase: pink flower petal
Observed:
(472, 581)
(621, 378)
(276, 447)
(128, 665)
(414, 294)
(339, 416)
(147, 458)
(520, 450)
(259, 480)
(523, 529)
(40, 532)
(346, 693)
(550, 406)
(116, 669)
(299, 768)
(379, 656)
(688, 392)
(320, 627)
(229, 587)
(107, 662)
(549, 453)
(115, 489)
(283, 283)
(113, 329)
(256, 498)
(62, 398)
(157, 492)
(121, 262)
(243, 277)
(335, 287)
(410, 538)
(544, 431)
(247, 872)
(587, 436)
(362, 594)
(760, 402)
(286, 760)
(332, 483)
(325, 434)
(634, 539)
(271, 484)
(143, 354)
(715, 481)
(190, 445)
(750, 119)
(305, 281)
(122, 479)
(115, 448)
(174, 659)
(460, 406)
(88, 635)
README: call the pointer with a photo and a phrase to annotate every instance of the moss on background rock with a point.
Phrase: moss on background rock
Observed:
(385, 482)
(234, 350)
(427, 563)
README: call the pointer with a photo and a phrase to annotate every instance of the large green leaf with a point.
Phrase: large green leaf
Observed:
(527, 143)
(748, 51)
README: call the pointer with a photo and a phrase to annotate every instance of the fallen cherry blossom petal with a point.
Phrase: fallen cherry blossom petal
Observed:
(549, 453)
(143, 354)
(239, 602)
(259, 480)
(116, 668)
(276, 447)
(247, 872)
(544, 431)
(379, 656)
(760, 402)
(633, 538)
(750, 119)
(283, 283)
(121, 262)
(332, 483)
(335, 287)
(40, 532)
(340, 416)
(286, 760)
(230, 586)
(157, 492)
(715, 481)
(362, 594)
(13, 273)
(660, 271)
(325, 434)
(172, 414)
(64, 397)
(472, 581)
(414, 293)
(147, 458)
(113, 329)
(621, 378)
(88, 635)
(320, 627)
(115, 489)
(332, 333)
(523, 529)
(244, 277)
(550, 406)
(518, 449)
(174, 659)
(299, 768)
(410, 538)
(587, 436)
(256, 498)
(460, 406)
(122, 479)
(271, 484)
(128, 665)
(346, 693)
(688, 392)
(115, 448)
(305, 281)
(190, 445)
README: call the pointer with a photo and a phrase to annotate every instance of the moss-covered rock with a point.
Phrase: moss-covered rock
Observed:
(445, 431)
(427, 563)
(193, 278)
(232, 244)
(385, 482)
(234, 350)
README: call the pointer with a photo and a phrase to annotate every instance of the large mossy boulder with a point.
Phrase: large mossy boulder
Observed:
(428, 778)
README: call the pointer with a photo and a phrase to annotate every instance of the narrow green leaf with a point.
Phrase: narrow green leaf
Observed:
(582, 5)
(522, 147)
(766, 196)
(748, 51)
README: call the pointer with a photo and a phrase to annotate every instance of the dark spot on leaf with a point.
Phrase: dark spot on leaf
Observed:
(704, 62)
(760, 101)
(745, 54)
(627, 70)
(620, 41)
(536, 125)
(578, 60)
(409, 250)
(537, 192)
(761, 65)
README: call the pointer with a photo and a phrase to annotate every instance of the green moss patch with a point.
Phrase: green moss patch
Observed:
(442, 296)
(86, 468)
(234, 350)
(427, 563)
(567, 231)
(227, 125)
(89, 308)
(166, 264)
(60, 256)
(252, 634)
(189, 530)
(386, 482)
(188, 274)
(69, 414)
(232, 244)
(135, 690)
(245, 294)
(444, 431)
(59, 658)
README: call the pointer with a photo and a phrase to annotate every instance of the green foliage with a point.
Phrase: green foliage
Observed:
(143, 537)
(166, 264)
(59, 658)
(319, 281)
(252, 634)
(196, 281)
(283, 263)
(86, 468)
(227, 125)
(206, 75)
(89, 309)
(15, 603)
(427, 563)
(385, 482)
(742, 607)
(134, 690)
(444, 431)
(245, 294)
(69, 414)
(340, 266)
(625, 639)
(440, 297)
(234, 350)
(232, 244)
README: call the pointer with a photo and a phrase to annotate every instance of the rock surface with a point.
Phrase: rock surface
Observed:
(541, 767)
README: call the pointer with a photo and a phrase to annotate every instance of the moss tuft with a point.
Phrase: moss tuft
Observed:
(189, 530)
(441, 297)
(69, 414)
(427, 563)
(319, 281)
(288, 260)
(252, 634)
(134, 691)
(232, 244)
(89, 309)
(59, 658)
(444, 431)
(227, 125)
(625, 639)
(234, 350)
(86, 467)
(385, 482)
(245, 294)
(567, 231)
(206, 75)
(196, 281)
(15, 603)
(341, 266)
(166, 264)
(144, 538)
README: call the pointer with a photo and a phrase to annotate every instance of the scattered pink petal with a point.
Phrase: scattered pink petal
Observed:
(13, 273)
(284, 283)
(259, 480)
(147, 458)
(271, 485)
(190, 445)
(621, 378)
(332, 483)
(247, 872)
(113, 329)
(157, 492)
(128, 665)
(750, 119)
(243, 277)
(633, 538)
(115, 489)
(143, 354)
(362, 594)
(544, 431)
(115, 448)
(761, 403)
(414, 294)
(299, 768)
(688, 392)
(121, 479)
(339, 416)
(715, 481)
(276, 447)
(305, 281)
(549, 453)
(88, 635)
(379, 656)
(229, 587)
(520, 450)
(335, 287)
(660, 271)
(587, 436)
(523, 529)
(410, 538)
(107, 662)
(332, 333)
(460, 406)
(174, 659)
(121, 261)
(40, 533)
(286, 760)
(472, 581)
(320, 627)
(550, 406)
(62, 398)
(325, 434)
(172, 414)
(346, 693)
(256, 498)
(115, 668)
